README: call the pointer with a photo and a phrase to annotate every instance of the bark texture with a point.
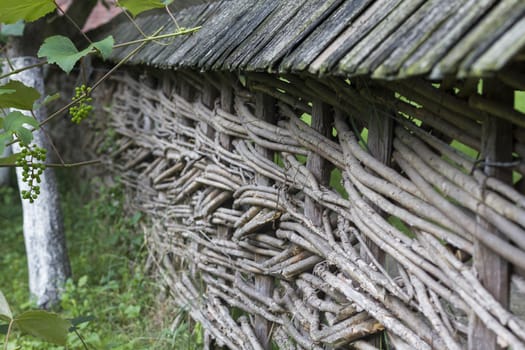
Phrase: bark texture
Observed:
(47, 258)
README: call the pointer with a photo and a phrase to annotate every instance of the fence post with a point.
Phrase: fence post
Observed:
(264, 110)
(492, 270)
(209, 94)
(380, 138)
(317, 165)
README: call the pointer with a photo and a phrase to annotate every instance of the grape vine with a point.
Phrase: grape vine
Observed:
(81, 110)
(31, 159)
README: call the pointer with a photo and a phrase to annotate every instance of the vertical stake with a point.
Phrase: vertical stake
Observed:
(492, 270)
(380, 138)
(264, 110)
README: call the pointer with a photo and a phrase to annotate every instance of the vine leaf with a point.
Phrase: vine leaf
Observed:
(135, 7)
(61, 50)
(15, 29)
(45, 325)
(10, 159)
(11, 11)
(105, 46)
(15, 94)
(5, 311)
(4, 139)
(14, 124)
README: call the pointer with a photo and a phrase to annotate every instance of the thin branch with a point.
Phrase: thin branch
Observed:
(154, 38)
(16, 71)
(58, 165)
(73, 22)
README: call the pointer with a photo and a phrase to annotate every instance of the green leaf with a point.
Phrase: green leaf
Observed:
(138, 6)
(24, 135)
(45, 325)
(5, 311)
(9, 160)
(105, 46)
(22, 98)
(48, 99)
(6, 91)
(15, 29)
(12, 11)
(4, 139)
(4, 328)
(14, 123)
(61, 50)
(79, 320)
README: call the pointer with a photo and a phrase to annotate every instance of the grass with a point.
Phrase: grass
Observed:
(109, 282)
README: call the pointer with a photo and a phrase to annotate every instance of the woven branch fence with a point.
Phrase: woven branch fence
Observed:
(322, 213)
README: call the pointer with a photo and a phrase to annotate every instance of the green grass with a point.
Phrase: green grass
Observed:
(107, 257)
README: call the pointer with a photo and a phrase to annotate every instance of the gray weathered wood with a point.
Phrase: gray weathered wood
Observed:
(492, 270)
(318, 166)
(380, 138)
(265, 110)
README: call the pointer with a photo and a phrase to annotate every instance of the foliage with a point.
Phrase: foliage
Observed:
(107, 256)
(59, 50)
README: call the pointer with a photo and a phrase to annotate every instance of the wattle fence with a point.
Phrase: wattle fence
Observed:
(313, 213)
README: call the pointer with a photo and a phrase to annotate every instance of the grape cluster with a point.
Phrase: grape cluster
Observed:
(31, 159)
(81, 110)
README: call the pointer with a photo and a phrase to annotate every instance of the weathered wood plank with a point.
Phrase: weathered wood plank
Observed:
(265, 109)
(406, 38)
(272, 26)
(318, 166)
(380, 138)
(501, 51)
(440, 42)
(493, 270)
(306, 20)
(480, 37)
(216, 24)
(237, 33)
(323, 35)
(362, 25)
(373, 39)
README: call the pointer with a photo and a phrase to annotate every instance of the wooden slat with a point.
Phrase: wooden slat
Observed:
(479, 38)
(388, 57)
(368, 44)
(265, 109)
(391, 39)
(236, 34)
(501, 51)
(301, 25)
(272, 26)
(323, 35)
(493, 270)
(216, 24)
(442, 40)
(362, 25)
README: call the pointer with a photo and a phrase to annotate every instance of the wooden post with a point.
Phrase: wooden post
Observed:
(492, 270)
(264, 110)
(318, 166)
(380, 138)
(209, 95)
(227, 106)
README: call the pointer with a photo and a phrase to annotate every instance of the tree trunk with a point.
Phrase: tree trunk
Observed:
(47, 258)
(5, 172)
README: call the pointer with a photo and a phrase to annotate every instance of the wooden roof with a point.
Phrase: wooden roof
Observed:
(386, 39)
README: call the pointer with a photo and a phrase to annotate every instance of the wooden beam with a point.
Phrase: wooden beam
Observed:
(265, 109)
(380, 138)
(492, 270)
(317, 165)
(209, 95)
